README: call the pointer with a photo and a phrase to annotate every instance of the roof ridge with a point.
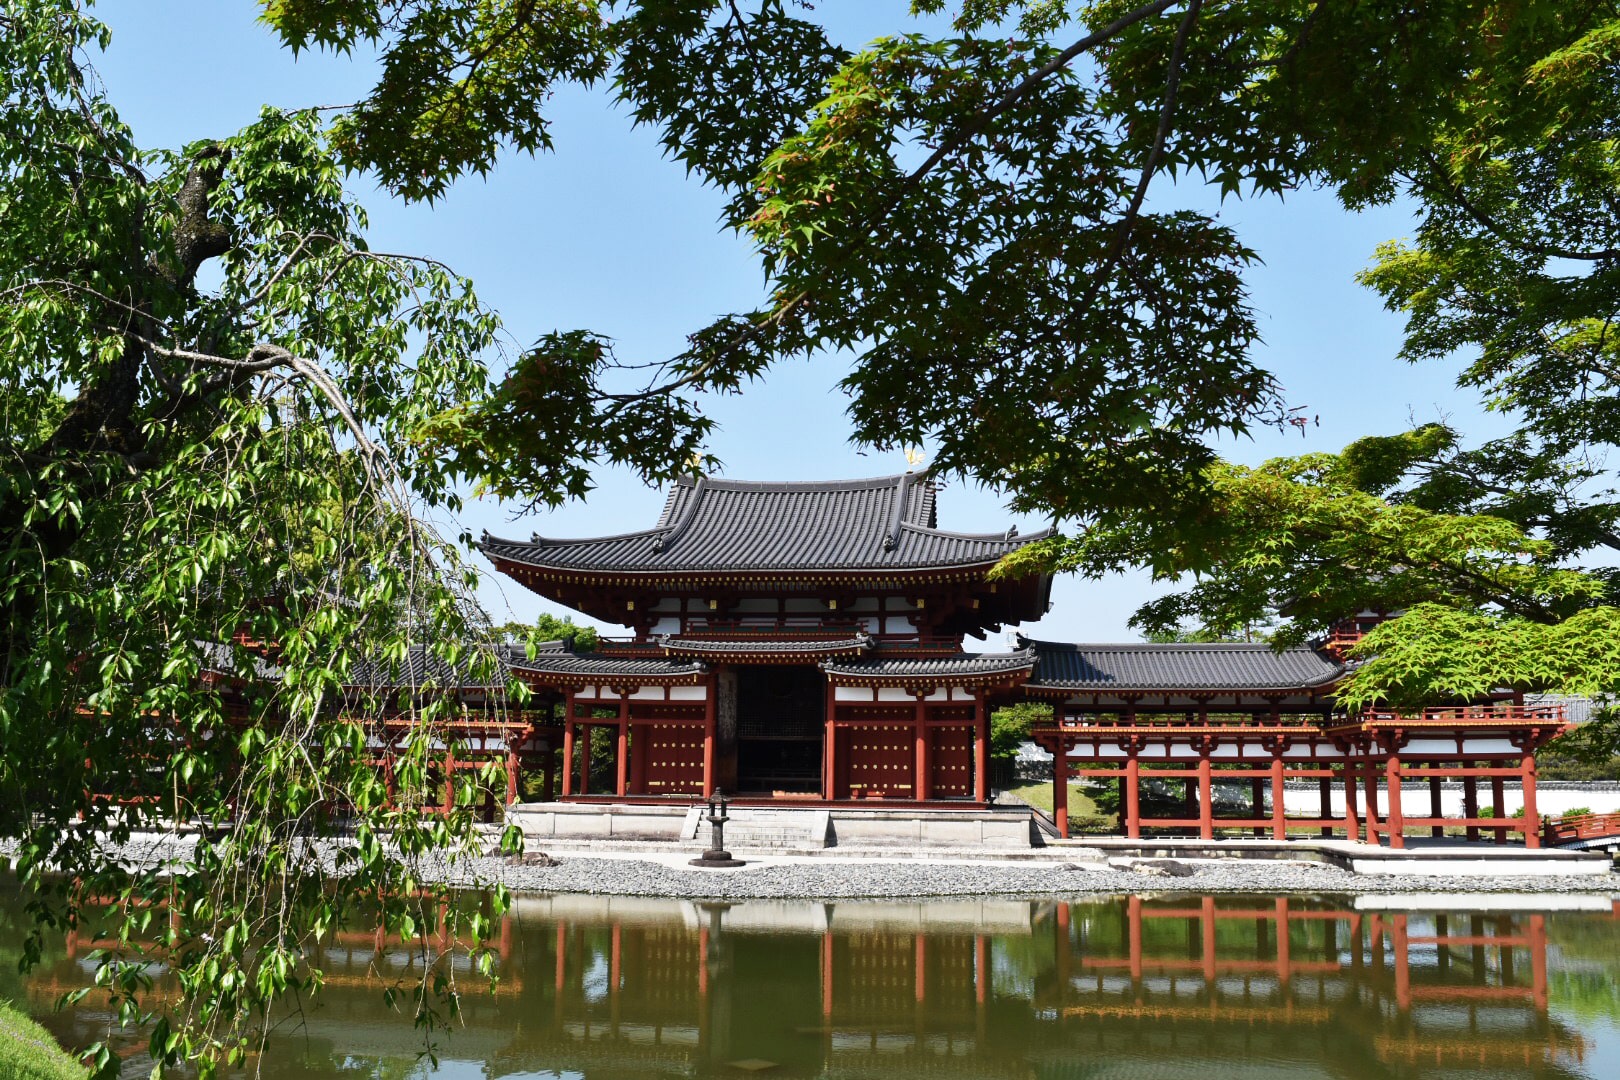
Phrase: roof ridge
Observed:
(719, 483)
(679, 526)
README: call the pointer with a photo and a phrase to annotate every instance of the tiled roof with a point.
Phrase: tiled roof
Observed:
(1180, 667)
(419, 667)
(787, 646)
(927, 667)
(564, 663)
(887, 523)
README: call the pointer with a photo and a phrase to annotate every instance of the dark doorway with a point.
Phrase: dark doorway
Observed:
(779, 729)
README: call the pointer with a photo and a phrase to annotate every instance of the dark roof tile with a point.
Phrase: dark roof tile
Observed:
(1180, 667)
(884, 523)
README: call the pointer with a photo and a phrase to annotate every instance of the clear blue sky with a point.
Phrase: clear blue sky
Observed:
(605, 234)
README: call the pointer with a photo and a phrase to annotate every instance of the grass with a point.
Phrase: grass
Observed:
(27, 1051)
(1081, 806)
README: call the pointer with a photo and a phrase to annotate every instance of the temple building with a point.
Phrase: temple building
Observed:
(807, 644)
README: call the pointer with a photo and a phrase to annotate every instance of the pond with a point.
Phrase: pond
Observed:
(1160, 986)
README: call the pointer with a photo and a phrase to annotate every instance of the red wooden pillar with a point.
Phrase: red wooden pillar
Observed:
(981, 749)
(1499, 808)
(1471, 802)
(709, 706)
(621, 753)
(1392, 782)
(1369, 776)
(511, 773)
(449, 779)
(1324, 787)
(1060, 786)
(1206, 790)
(585, 759)
(568, 745)
(1279, 820)
(923, 765)
(1352, 821)
(1436, 807)
(1532, 819)
(1133, 795)
(829, 744)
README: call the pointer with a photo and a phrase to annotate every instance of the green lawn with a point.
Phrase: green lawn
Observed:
(27, 1051)
(1039, 795)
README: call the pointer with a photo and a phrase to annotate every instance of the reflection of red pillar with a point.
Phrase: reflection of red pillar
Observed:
(1392, 784)
(920, 979)
(1206, 802)
(562, 955)
(1471, 802)
(1403, 971)
(981, 968)
(1279, 823)
(981, 749)
(1133, 796)
(1062, 952)
(1208, 920)
(615, 974)
(1133, 916)
(826, 974)
(1060, 787)
(703, 963)
(1532, 819)
(1538, 961)
(1284, 946)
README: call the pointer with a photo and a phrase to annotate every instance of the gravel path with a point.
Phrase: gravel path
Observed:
(829, 879)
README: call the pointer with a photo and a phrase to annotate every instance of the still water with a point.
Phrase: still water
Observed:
(1165, 986)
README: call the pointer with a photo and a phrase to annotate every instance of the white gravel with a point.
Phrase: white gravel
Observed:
(824, 878)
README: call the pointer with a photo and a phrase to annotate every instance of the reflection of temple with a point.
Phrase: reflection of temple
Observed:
(964, 988)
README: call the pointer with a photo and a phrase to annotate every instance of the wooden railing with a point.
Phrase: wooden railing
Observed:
(1469, 715)
(1567, 830)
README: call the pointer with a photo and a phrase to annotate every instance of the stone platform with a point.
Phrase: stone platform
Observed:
(780, 829)
(1421, 857)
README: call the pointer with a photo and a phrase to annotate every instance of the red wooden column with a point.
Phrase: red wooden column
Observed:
(568, 745)
(1279, 820)
(1060, 786)
(1436, 808)
(1369, 776)
(1532, 819)
(1133, 795)
(709, 706)
(923, 765)
(585, 760)
(1392, 781)
(511, 772)
(1324, 786)
(622, 751)
(981, 748)
(1206, 791)
(829, 745)
(1499, 808)
(1471, 801)
(1352, 821)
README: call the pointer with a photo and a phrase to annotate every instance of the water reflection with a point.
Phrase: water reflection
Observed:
(1121, 987)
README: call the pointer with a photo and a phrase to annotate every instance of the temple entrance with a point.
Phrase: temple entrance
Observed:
(780, 712)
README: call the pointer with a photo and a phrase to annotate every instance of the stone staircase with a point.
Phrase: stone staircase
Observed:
(761, 828)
